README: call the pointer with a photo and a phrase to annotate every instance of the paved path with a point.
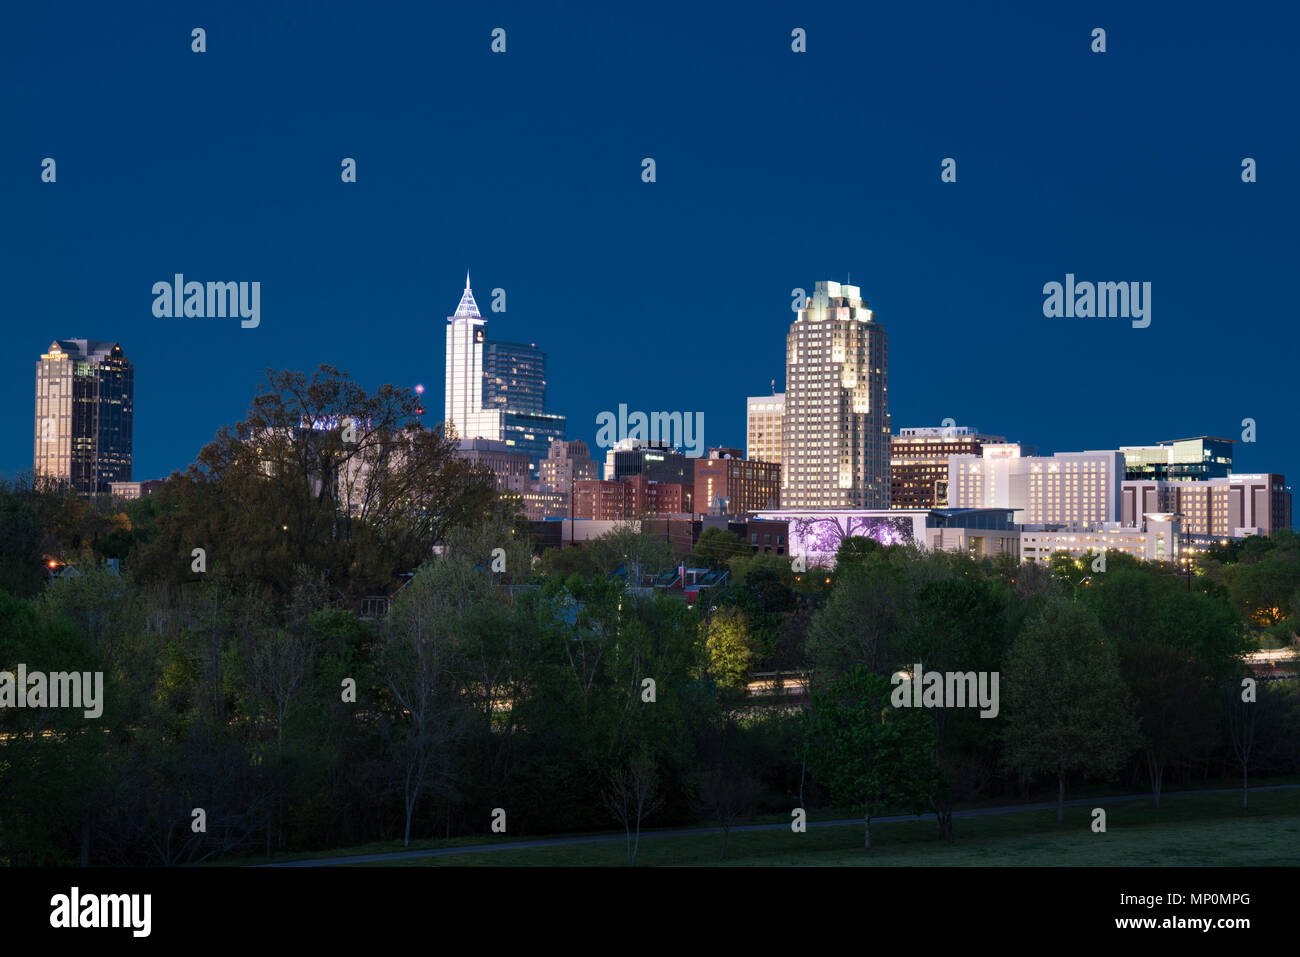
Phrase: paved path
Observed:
(687, 832)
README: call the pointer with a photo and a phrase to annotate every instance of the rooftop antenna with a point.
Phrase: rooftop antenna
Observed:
(774, 387)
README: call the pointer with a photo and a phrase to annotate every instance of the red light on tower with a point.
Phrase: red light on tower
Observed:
(419, 409)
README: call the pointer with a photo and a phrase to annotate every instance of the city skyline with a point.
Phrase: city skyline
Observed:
(615, 276)
(470, 388)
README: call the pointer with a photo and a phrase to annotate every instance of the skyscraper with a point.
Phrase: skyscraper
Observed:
(497, 390)
(84, 409)
(835, 441)
(464, 383)
(763, 413)
(514, 376)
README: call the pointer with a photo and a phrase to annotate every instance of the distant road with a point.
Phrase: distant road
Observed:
(688, 832)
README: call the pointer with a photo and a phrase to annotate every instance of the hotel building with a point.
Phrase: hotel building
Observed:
(1069, 488)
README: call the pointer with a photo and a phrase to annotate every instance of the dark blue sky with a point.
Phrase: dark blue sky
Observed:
(775, 169)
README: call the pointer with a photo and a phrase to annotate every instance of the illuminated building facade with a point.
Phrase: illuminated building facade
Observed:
(84, 411)
(835, 427)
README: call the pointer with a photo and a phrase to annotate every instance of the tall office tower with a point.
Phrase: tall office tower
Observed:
(514, 376)
(464, 384)
(764, 414)
(84, 408)
(503, 406)
(835, 429)
(918, 465)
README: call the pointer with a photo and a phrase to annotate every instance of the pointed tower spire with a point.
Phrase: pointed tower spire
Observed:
(468, 308)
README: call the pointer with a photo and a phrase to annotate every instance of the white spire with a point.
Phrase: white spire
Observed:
(468, 308)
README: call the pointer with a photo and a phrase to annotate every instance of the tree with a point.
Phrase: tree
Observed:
(726, 642)
(631, 796)
(717, 546)
(727, 795)
(1173, 706)
(867, 751)
(323, 474)
(856, 550)
(1067, 708)
(959, 625)
(862, 622)
(626, 546)
(417, 662)
(1256, 725)
(22, 570)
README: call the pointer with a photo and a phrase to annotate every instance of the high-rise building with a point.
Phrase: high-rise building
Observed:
(529, 432)
(466, 330)
(1068, 488)
(514, 376)
(481, 389)
(84, 411)
(918, 465)
(764, 414)
(835, 428)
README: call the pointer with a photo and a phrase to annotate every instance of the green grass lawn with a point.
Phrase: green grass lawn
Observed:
(1028, 837)
(1188, 830)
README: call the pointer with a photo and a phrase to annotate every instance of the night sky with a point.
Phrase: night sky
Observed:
(774, 170)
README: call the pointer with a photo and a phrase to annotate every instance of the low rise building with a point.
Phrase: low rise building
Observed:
(728, 484)
(1157, 539)
(816, 534)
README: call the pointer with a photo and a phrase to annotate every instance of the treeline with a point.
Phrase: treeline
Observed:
(551, 694)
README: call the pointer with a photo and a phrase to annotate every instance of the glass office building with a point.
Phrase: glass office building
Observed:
(1179, 460)
(84, 409)
(514, 376)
